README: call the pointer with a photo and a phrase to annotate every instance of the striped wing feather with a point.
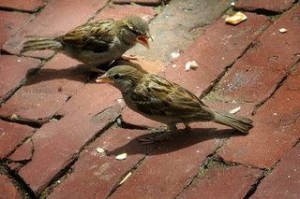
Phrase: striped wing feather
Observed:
(94, 36)
(154, 97)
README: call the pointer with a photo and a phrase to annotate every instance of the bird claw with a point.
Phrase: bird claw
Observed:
(130, 57)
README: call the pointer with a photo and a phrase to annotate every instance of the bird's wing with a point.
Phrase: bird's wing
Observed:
(95, 36)
(161, 97)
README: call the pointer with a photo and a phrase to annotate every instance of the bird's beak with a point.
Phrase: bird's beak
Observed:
(143, 39)
(104, 79)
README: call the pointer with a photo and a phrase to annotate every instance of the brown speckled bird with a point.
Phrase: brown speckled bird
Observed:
(161, 100)
(98, 42)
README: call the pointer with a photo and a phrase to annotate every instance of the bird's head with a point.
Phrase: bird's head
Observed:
(135, 29)
(123, 77)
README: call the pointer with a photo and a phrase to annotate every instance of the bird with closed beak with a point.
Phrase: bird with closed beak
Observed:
(161, 100)
(98, 42)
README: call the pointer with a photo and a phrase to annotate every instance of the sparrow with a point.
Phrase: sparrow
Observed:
(161, 100)
(98, 42)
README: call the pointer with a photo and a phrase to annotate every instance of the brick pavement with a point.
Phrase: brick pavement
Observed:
(54, 120)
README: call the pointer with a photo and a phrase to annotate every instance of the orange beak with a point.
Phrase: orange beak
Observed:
(143, 40)
(104, 79)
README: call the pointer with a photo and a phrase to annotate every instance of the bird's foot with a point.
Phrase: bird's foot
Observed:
(163, 129)
(187, 127)
(129, 57)
(152, 139)
(161, 134)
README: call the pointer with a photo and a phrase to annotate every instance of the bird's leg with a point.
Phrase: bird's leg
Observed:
(164, 134)
(187, 127)
(97, 70)
(172, 128)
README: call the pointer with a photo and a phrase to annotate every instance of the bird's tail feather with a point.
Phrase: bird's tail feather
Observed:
(41, 44)
(239, 123)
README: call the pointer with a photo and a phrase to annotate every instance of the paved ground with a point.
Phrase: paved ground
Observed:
(55, 120)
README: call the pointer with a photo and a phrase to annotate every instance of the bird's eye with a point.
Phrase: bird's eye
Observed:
(116, 76)
(132, 29)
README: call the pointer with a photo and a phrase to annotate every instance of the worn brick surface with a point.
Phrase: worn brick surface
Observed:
(48, 90)
(84, 116)
(104, 171)
(13, 70)
(118, 11)
(32, 5)
(216, 49)
(144, 2)
(11, 135)
(257, 73)
(222, 182)
(174, 163)
(278, 6)
(10, 22)
(275, 124)
(283, 182)
(57, 18)
(190, 17)
(67, 144)
(7, 189)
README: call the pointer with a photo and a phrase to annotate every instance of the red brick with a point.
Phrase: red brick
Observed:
(13, 71)
(171, 165)
(177, 26)
(118, 11)
(10, 23)
(11, 135)
(215, 50)
(57, 18)
(7, 189)
(95, 175)
(47, 90)
(144, 2)
(278, 6)
(24, 152)
(131, 117)
(275, 124)
(283, 182)
(32, 5)
(57, 142)
(222, 182)
(255, 76)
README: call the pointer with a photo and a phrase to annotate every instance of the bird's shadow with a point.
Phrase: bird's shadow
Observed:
(179, 140)
(81, 73)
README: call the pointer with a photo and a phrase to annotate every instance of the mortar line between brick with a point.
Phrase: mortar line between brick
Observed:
(49, 187)
(132, 170)
(254, 186)
(18, 145)
(21, 11)
(269, 13)
(21, 185)
(29, 73)
(227, 68)
(278, 85)
(266, 172)
(203, 166)
(98, 11)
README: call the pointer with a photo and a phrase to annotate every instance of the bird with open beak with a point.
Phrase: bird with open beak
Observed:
(161, 100)
(98, 42)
